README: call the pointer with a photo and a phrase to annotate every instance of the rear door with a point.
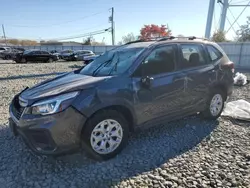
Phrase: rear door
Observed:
(200, 74)
(44, 56)
(163, 98)
(34, 56)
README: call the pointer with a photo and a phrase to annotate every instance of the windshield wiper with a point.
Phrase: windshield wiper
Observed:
(105, 63)
(94, 73)
(116, 63)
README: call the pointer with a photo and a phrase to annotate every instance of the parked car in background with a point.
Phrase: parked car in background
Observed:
(56, 53)
(65, 54)
(80, 54)
(10, 53)
(136, 85)
(77, 55)
(89, 59)
(19, 49)
(4, 49)
(35, 55)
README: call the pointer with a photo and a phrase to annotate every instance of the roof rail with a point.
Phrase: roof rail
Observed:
(157, 39)
(173, 37)
(142, 40)
(135, 41)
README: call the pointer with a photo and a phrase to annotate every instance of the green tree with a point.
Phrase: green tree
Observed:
(87, 41)
(243, 34)
(219, 36)
(128, 38)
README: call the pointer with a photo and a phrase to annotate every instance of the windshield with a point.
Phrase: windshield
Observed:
(112, 62)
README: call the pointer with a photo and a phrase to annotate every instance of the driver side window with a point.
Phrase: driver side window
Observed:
(160, 60)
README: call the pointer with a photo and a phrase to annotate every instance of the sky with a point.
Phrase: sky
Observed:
(52, 19)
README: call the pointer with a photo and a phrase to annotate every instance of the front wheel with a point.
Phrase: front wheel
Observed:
(215, 104)
(105, 134)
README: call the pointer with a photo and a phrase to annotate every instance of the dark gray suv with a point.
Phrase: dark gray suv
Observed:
(139, 84)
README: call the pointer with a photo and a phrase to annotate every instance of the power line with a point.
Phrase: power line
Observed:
(81, 35)
(84, 29)
(56, 24)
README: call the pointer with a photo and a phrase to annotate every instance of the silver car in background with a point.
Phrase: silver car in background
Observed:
(80, 54)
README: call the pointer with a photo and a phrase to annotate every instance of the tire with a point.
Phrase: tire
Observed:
(50, 60)
(216, 98)
(23, 60)
(7, 57)
(91, 131)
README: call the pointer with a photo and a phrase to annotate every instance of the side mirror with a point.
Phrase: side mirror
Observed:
(147, 81)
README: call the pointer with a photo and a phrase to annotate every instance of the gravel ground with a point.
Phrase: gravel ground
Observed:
(185, 153)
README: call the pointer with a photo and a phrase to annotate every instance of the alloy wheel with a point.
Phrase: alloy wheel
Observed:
(216, 104)
(106, 136)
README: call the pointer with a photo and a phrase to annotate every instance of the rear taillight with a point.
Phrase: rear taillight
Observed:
(229, 65)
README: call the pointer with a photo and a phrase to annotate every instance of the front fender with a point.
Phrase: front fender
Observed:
(89, 102)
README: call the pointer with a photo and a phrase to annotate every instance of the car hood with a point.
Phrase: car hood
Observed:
(61, 84)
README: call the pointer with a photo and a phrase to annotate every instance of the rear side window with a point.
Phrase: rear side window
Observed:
(192, 55)
(214, 54)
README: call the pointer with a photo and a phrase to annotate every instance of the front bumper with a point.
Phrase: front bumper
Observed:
(52, 134)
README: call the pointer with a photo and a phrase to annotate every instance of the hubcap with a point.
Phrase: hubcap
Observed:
(216, 104)
(106, 136)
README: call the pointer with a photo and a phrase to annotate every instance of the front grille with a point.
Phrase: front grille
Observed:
(17, 110)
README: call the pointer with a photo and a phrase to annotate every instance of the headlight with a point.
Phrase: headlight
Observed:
(76, 56)
(53, 105)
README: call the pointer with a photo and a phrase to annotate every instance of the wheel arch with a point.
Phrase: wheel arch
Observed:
(222, 86)
(125, 111)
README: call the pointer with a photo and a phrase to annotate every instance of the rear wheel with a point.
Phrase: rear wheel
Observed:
(23, 60)
(50, 60)
(105, 134)
(215, 104)
(7, 57)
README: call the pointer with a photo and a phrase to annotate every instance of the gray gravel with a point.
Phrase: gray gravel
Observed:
(185, 153)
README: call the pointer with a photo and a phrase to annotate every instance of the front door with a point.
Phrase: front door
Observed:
(159, 88)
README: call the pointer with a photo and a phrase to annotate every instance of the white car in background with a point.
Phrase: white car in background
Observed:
(89, 59)
(4, 49)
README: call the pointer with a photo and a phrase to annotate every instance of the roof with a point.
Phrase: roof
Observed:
(146, 44)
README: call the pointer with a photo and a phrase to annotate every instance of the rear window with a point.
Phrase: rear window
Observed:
(214, 54)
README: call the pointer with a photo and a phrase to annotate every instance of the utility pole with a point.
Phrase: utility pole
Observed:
(4, 35)
(112, 26)
(209, 18)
